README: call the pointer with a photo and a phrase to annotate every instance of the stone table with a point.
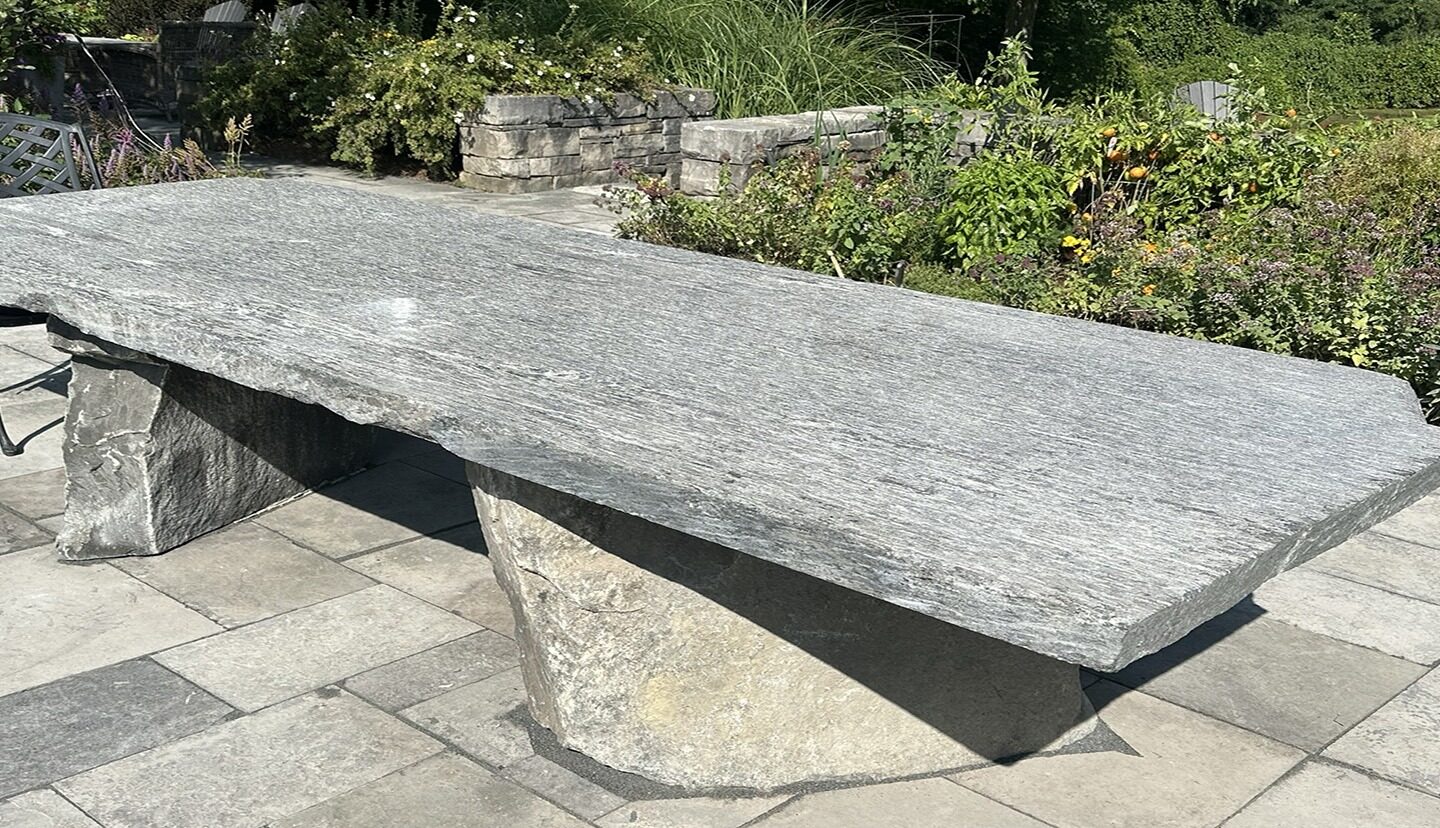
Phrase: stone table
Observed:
(759, 527)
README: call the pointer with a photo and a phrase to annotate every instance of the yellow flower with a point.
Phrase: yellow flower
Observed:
(1070, 241)
(1151, 247)
(1148, 290)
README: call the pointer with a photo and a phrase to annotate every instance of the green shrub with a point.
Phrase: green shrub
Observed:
(363, 92)
(1012, 204)
(1325, 281)
(31, 29)
(797, 214)
(115, 18)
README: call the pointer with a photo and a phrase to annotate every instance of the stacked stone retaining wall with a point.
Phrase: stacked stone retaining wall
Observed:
(716, 152)
(530, 143)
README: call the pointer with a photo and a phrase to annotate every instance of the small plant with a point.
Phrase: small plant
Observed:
(126, 157)
(235, 135)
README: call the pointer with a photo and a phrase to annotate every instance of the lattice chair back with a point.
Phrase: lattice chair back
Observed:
(1209, 96)
(39, 157)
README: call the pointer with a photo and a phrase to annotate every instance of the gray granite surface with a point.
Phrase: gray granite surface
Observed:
(1085, 491)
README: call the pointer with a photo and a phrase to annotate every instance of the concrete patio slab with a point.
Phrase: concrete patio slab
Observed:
(577, 795)
(43, 809)
(17, 533)
(244, 573)
(1399, 741)
(445, 790)
(32, 341)
(36, 426)
(449, 570)
(255, 666)
(29, 379)
(441, 669)
(363, 512)
(480, 719)
(74, 724)
(1388, 563)
(1321, 795)
(442, 463)
(252, 770)
(37, 495)
(1360, 614)
(1183, 769)
(1418, 524)
(927, 803)
(61, 619)
(698, 812)
(1280, 681)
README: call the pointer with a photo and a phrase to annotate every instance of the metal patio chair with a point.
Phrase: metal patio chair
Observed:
(39, 157)
(1209, 96)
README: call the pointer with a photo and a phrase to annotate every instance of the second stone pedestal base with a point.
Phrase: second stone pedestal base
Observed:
(694, 665)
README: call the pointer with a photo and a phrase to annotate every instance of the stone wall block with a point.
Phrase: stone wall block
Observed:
(521, 109)
(512, 142)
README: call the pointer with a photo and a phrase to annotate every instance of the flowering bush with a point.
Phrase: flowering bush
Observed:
(843, 221)
(363, 91)
(1325, 281)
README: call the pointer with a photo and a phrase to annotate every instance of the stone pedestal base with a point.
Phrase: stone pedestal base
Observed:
(157, 454)
(694, 665)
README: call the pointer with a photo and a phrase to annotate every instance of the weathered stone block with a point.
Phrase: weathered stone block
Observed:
(521, 109)
(704, 178)
(694, 665)
(512, 142)
(682, 103)
(157, 454)
(610, 131)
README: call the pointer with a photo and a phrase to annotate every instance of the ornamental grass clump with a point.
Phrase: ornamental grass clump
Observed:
(764, 57)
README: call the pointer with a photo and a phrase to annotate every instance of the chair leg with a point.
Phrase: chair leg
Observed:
(7, 446)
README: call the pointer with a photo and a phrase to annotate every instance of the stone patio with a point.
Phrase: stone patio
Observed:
(347, 660)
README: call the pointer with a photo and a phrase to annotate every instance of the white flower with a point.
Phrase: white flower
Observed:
(505, 64)
(548, 63)
(469, 58)
(473, 18)
(457, 18)
(567, 75)
(692, 97)
(369, 96)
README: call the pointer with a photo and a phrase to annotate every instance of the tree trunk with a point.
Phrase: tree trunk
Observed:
(1020, 17)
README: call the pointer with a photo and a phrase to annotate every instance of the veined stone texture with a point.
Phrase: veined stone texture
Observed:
(530, 143)
(694, 665)
(1082, 490)
(157, 454)
(713, 150)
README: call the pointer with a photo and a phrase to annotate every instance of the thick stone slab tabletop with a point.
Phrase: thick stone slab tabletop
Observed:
(1085, 491)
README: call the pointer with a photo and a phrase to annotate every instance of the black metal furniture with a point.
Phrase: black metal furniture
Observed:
(40, 157)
